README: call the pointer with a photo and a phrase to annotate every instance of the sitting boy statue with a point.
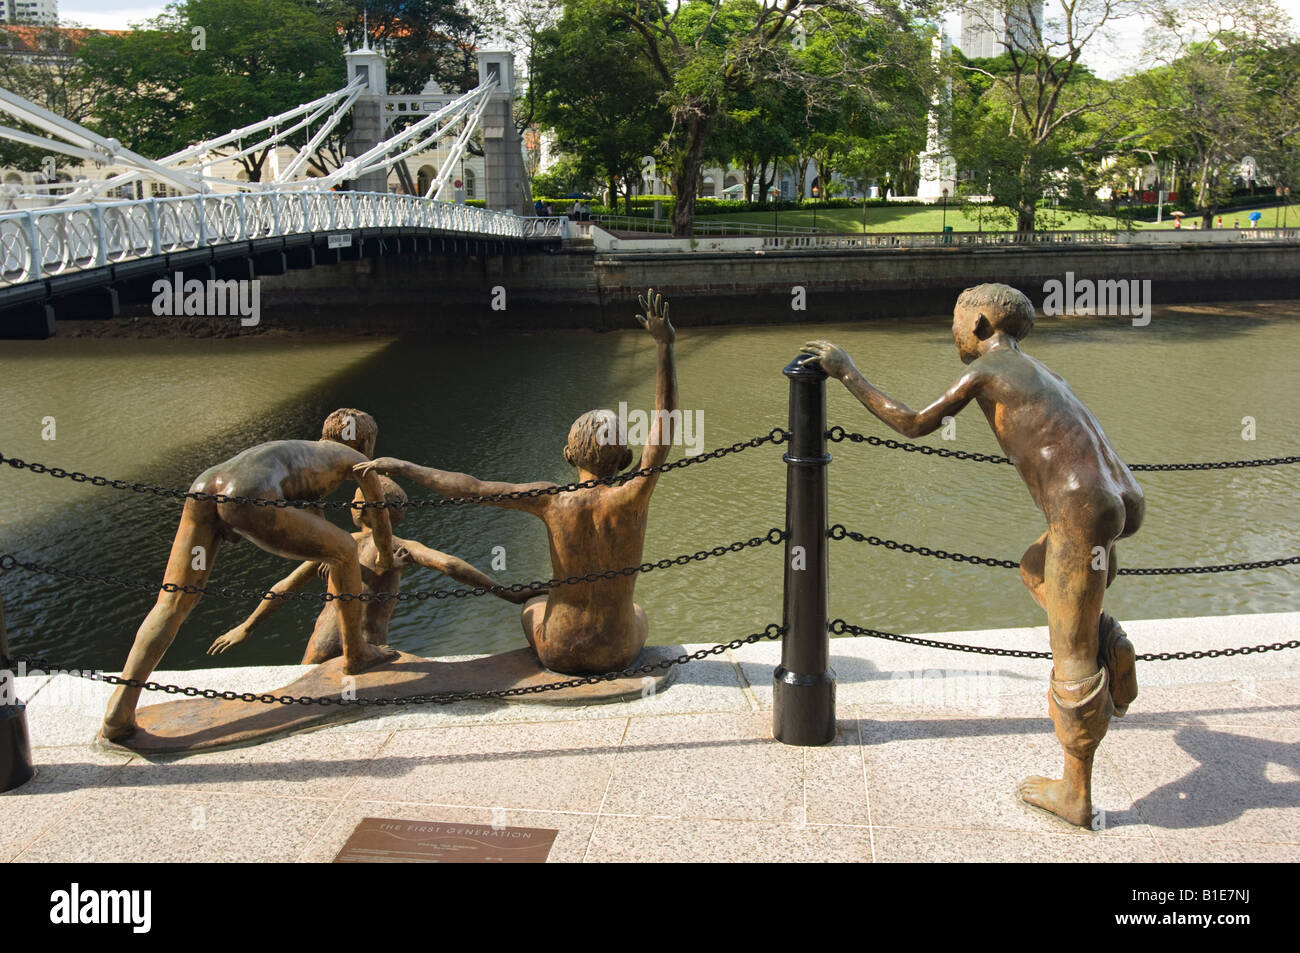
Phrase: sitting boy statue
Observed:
(589, 627)
(1084, 490)
(326, 640)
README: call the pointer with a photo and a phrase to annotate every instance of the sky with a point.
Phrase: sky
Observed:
(1109, 59)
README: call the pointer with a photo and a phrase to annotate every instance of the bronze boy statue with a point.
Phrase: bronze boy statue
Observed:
(327, 637)
(279, 470)
(1085, 491)
(587, 627)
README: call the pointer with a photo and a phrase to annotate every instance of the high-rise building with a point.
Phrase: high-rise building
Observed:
(38, 12)
(991, 27)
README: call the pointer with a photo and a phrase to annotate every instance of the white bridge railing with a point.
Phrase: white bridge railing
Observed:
(45, 242)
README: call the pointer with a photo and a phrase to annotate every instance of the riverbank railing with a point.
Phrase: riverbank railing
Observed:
(705, 226)
(803, 682)
(1071, 238)
(42, 243)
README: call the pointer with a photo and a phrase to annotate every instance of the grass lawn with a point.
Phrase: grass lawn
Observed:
(912, 219)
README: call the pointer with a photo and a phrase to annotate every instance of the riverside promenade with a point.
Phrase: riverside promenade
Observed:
(929, 749)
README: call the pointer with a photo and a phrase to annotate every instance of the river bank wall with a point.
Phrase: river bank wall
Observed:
(581, 287)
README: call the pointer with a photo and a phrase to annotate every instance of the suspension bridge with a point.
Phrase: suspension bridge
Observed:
(77, 249)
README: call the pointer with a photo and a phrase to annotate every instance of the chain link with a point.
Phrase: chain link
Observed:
(837, 434)
(840, 627)
(839, 531)
(772, 631)
(775, 436)
(772, 536)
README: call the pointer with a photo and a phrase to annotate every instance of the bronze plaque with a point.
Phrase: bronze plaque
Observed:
(379, 840)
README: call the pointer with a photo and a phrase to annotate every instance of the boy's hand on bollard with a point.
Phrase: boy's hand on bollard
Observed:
(832, 358)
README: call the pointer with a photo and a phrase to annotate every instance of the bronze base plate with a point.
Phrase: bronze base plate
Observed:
(202, 724)
(379, 840)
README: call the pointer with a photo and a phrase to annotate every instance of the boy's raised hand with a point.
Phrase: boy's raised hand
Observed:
(655, 319)
(833, 359)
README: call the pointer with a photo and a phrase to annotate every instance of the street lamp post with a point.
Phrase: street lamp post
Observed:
(1277, 209)
(945, 210)
(1286, 203)
(815, 192)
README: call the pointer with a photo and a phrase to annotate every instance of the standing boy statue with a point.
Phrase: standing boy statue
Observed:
(1082, 487)
(279, 470)
(589, 627)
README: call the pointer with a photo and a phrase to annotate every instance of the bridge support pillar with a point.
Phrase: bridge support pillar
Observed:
(803, 685)
(367, 114)
(503, 158)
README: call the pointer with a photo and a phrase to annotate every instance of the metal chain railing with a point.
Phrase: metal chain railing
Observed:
(9, 561)
(772, 631)
(839, 531)
(840, 627)
(838, 434)
(775, 436)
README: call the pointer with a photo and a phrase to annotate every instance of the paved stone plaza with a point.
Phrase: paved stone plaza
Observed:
(931, 744)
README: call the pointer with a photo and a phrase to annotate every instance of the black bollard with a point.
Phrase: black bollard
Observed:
(15, 747)
(803, 685)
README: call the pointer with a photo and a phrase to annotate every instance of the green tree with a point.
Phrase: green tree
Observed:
(173, 86)
(422, 39)
(1040, 113)
(1226, 85)
(601, 100)
(55, 79)
(708, 50)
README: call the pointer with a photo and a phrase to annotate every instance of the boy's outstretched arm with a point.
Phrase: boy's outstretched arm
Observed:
(655, 320)
(897, 415)
(380, 525)
(266, 608)
(458, 569)
(450, 484)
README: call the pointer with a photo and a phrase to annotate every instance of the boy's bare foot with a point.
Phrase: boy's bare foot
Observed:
(118, 729)
(369, 656)
(1059, 798)
(1115, 653)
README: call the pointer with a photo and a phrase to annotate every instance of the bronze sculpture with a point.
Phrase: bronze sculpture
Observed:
(590, 627)
(1085, 491)
(326, 640)
(279, 470)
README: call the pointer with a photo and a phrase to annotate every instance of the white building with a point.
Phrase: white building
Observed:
(991, 27)
(39, 12)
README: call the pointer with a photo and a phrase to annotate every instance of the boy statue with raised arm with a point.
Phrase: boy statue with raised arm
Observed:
(589, 627)
(1084, 490)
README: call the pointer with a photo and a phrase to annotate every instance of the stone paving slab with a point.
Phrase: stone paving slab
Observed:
(923, 767)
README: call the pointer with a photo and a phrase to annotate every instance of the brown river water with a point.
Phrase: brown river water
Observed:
(163, 410)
